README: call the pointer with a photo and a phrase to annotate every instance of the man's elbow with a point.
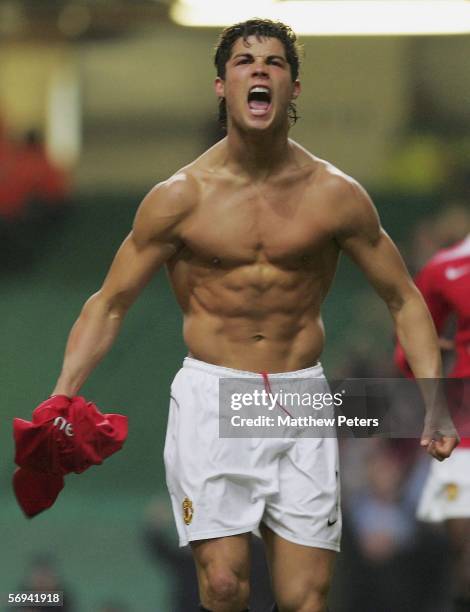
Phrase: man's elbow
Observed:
(406, 297)
(113, 306)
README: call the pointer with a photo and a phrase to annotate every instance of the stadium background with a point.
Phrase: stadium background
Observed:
(391, 111)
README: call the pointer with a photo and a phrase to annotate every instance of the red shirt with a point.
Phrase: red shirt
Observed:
(25, 174)
(445, 284)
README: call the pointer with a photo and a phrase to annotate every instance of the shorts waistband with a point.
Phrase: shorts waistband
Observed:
(315, 371)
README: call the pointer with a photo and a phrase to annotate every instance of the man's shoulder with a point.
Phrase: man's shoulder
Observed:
(167, 205)
(183, 188)
(458, 251)
(334, 181)
(175, 196)
(339, 189)
(342, 198)
(447, 264)
(325, 175)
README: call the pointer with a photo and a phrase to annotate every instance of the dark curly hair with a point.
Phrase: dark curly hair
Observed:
(261, 28)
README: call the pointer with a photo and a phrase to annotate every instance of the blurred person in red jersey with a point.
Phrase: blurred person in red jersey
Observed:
(445, 284)
(33, 194)
(8, 152)
(43, 181)
(29, 176)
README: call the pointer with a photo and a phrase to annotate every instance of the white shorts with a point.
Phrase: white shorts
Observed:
(446, 494)
(227, 486)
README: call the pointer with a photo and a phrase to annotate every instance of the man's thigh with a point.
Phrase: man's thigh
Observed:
(306, 508)
(299, 573)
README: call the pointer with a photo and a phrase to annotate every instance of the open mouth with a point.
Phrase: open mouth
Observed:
(259, 99)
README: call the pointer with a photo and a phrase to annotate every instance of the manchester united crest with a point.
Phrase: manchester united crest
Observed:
(187, 510)
(452, 491)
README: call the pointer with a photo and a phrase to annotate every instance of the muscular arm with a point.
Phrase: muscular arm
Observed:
(364, 240)
(152, 241)
(439, 309)
(368, 245)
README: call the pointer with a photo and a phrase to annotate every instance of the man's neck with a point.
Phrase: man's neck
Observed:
(258, 155)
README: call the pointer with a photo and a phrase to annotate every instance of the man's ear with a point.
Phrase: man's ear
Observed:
(297, 89)
(219, 86)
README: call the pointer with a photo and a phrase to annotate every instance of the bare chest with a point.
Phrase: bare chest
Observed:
(249, 225)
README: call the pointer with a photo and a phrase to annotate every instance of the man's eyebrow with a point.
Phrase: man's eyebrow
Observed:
(246, 54)
(269, 57)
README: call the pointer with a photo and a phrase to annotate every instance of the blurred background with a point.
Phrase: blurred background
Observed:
(99, 100)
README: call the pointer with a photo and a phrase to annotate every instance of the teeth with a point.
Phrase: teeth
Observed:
(258, 89)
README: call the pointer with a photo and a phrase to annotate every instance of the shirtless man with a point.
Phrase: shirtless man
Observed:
(251, 234)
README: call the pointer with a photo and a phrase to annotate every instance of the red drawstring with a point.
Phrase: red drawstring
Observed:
(267, 386)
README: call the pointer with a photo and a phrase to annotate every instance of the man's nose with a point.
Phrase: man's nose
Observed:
(260, 71)
(259, 68)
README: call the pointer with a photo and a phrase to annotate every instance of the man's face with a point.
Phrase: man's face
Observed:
(258, 85)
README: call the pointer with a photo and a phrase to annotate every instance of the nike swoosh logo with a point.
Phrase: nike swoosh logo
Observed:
(455, 273)
(331, 523)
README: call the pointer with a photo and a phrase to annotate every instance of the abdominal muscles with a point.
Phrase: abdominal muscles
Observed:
(255, 317)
